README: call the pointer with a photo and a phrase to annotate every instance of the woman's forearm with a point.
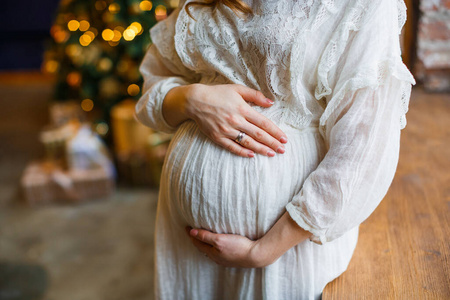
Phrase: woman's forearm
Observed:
(174, 108)
(284, 235)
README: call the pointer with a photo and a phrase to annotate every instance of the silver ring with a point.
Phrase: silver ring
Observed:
(239, 138)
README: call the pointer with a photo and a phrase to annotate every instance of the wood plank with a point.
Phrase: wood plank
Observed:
(403, 250)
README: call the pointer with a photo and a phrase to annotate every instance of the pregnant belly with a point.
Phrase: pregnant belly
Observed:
(209, 187)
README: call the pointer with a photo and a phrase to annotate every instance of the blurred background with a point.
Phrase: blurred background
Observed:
(78, 175)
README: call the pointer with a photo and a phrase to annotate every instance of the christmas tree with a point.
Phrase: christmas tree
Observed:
(96, 49)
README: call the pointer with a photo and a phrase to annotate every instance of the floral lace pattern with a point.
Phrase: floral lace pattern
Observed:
(266, 51)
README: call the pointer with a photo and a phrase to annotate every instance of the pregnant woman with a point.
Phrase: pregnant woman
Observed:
(286, 118)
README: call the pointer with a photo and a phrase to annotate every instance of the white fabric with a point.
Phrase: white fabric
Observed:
(341, 93)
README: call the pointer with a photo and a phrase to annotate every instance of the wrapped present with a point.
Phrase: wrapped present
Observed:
(64, 112)
(128, 134)
(85, 151)
(47, 182)
(54, 139)
(143, 168)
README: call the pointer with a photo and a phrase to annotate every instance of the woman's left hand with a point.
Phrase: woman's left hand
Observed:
(228, 250)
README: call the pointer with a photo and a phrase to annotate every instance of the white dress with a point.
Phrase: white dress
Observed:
(341, 92)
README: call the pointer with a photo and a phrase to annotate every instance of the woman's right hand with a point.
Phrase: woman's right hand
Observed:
(221, 112)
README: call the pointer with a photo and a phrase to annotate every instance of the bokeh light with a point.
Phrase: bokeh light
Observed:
(136, 27)
(51, 66)
(105, 64)
(87, 105)
(114, 8)
(107, 34)
(85, 39)
(74, 79)
(133, 89)
(145, 5)
(117, 36)
(102, 128)
(73, 25)
(100, 5)
(129, 34)
(84, 25)
(160, 12)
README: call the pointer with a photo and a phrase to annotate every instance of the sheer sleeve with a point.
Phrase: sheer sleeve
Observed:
(162, 70)
(367, 88)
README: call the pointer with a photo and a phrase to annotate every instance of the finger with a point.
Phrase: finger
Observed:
(235, 148)
(251, 95)
(202, 247)
(205, 236)
(267, 125)
(260, 141)
(249, 143)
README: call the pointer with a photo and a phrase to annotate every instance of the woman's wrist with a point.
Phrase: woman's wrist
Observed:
(191, 93)
(260, 255)
(176, 105)
(284, 235)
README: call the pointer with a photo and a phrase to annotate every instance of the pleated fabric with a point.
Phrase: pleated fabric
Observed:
(205, 186)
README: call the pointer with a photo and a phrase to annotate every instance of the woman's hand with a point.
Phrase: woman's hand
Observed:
(228, 250)
(232, 250)
(222, 112)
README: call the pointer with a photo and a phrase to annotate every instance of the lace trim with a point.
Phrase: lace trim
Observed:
(166, 46)
(372, 76)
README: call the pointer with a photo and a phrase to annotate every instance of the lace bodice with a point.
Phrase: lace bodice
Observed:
(277, 51)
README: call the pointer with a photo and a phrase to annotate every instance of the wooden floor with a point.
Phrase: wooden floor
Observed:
(403, 250)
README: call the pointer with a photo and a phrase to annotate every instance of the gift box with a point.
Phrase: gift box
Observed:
(64, 112)
(143, 168)
(47, 182)
(128, 134)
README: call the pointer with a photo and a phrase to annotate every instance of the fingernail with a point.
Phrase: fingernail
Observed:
(251, 154)
(194, 232)
(283, 140)
(271, 153)
(269, 101)
(281, 150)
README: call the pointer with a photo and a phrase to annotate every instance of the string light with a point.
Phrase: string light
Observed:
(61, 36)
(160, 12)
(145, 5)
(123, 66)
(107, 34)
(73, 50)
(85, 39)
(90, 34)
(51, 66)
(73, 79)
(73, 25)
(136, 27)
(102, 128)
(120, 29)
(100, 5)
(94, 31)
(129, 34)
(133, 89)
(117, 36)
(84, 25)
(114, 8)
(87, 104)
